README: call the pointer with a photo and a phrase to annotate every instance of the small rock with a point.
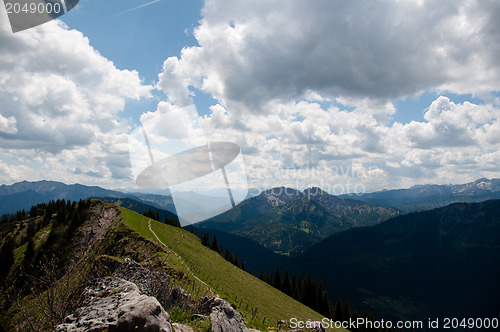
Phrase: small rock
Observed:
(178, 297)
(182, 328)
(222, 316)
(146, 281)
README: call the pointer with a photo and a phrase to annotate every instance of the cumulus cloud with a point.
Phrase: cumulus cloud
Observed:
(60, 102)
(312, 85)
(252, 52)
(311, 145)
(8, 125)
(451, 125)
(307, 89)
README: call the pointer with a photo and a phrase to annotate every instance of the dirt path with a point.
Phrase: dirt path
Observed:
(171, 250)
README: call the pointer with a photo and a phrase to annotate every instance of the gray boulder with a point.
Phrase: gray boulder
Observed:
(182, 328)
(222, 316)
(148, 282)
(178, 297)
(117, 305)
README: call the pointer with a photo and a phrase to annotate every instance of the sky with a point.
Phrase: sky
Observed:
(350, 96)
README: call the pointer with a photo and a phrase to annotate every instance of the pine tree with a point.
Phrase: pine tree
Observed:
(295, 287)
(205, 240)
(33, 212)
(277, 279)
(20, 215)
(216, 247)
(29, 254)
(346, 310)
(30, 231)
(286, 286)
(175, 223)
(229, 256)
(308, 292)
(323, 301)
(76, 221)
(269, 277)
(237, 262)
(6, 256)
(337, 311)
(61, 216)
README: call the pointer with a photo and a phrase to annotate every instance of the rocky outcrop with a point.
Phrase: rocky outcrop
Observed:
(122, 302)
(178, 297)
(93, 229)
(222, 316)
(117, 305)
(149, 283)
(153, 284)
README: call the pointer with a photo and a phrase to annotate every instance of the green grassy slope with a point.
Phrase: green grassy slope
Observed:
(238, 287)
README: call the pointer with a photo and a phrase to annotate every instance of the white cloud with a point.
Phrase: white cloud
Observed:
(272, 66)
(10, 173)
(60, 102)
(456, 142)
(253, 52)
(8, 125)
(452, 125)
(307, 89)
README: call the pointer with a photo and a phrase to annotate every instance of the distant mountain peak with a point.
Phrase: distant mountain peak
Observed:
(315, 191)
(280, 191)
(289, 220)
(280, 195)
(482, 180)
(432, 195)
(22, 195)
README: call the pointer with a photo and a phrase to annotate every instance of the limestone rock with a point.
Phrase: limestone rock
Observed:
(117, 305)
(178, 297)
(222, 316)
(182, 328)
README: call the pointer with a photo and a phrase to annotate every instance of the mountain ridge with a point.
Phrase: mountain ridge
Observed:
(13, 200)
(428, 196)
(287, 220)
(448, 254)
(91, 239)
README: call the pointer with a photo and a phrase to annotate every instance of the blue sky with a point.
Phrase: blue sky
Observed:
(393, 93)
(141, 38)
(139, 35)
(138, 38)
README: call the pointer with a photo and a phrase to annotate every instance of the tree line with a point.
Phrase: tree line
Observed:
(305, 290)
(312, 294)
(155, 215)
(227, 254)
(66, 217)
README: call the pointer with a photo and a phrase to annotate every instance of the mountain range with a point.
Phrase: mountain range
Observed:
(438, 263)
(283, 220)
(422, 197)
(23, 195)
(441, 262)
(289, 221)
